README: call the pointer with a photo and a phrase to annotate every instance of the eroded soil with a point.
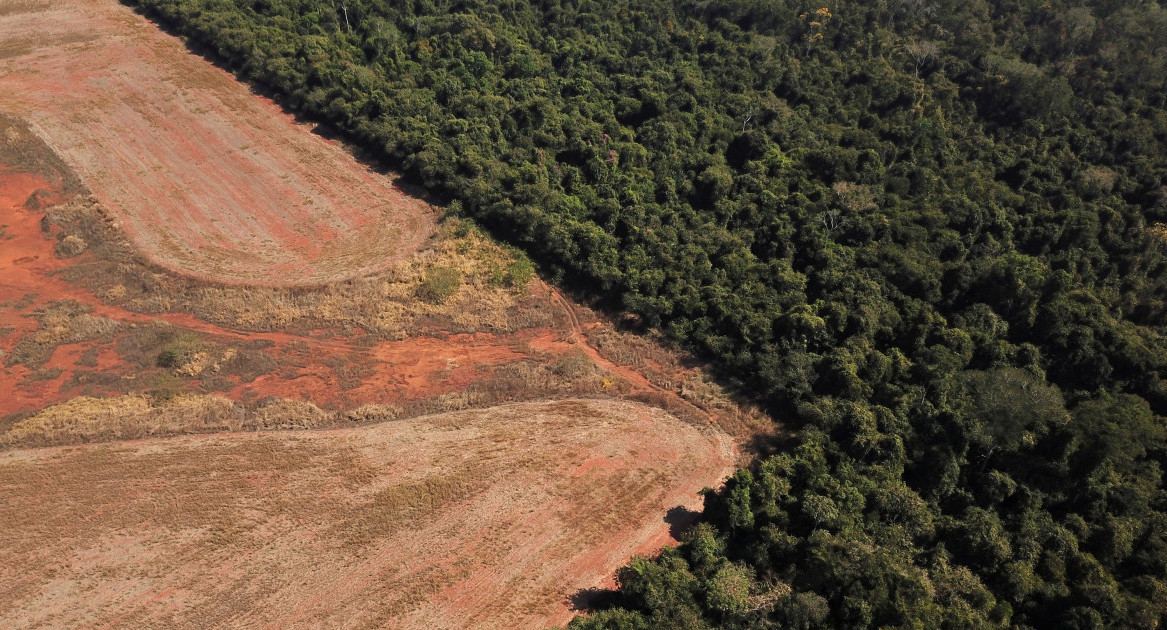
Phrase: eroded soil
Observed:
(226, 525)
(150, 211)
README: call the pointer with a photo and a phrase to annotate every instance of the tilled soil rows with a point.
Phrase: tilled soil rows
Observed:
(207, 178)
(482, 519)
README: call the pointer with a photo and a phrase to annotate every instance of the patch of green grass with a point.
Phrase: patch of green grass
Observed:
(179, 350)
(439, 285)
(165, 388)
(516, 273)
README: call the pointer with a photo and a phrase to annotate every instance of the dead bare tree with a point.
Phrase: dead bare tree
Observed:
(923, 53)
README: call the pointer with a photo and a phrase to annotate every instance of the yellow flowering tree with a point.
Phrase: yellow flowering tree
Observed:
(816, 22)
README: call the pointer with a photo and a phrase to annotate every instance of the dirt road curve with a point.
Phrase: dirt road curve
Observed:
(482, 519)
(207, 179)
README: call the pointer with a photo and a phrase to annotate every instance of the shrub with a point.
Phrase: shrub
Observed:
(70, 247)
(519, 272)
(439, 285)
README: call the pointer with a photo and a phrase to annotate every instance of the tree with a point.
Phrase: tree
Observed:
(1011, 407)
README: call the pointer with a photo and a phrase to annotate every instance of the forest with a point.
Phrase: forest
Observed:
(929, 236)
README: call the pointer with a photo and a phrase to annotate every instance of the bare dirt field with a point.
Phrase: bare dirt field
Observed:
(82, 315)
(483, 519)
(109, 535)
(206, 178)
(229, 354)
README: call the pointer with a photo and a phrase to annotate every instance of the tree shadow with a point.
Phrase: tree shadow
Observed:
(765, 444)
(593, 599)
(680, 520)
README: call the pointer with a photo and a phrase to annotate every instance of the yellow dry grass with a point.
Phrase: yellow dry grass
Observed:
(167, 412)
(22, 150)
(61, 322)
(85, 419)
(390, 304)
(673, 371)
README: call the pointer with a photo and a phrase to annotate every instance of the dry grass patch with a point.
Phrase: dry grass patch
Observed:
(350, 371)
(168, 407)
(368, 414)
(674, 371)
(399, 506)
(158, 344)
(22, 150)
(462, 278)
(61, 322)
(86, 419)
(284, 413)
(568, 376)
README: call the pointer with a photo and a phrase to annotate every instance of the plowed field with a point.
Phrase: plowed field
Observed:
(484, 519)
(170, 250)
(207, 178)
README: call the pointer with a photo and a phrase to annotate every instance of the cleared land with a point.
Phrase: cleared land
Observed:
(161, 305)
(485, 519)
(206, 178)
(82, 315)
(534, 502)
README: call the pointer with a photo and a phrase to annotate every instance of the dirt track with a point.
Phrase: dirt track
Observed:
(486, 519)
(207, 179)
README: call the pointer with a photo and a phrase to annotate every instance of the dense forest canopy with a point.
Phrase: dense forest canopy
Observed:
(929, 235)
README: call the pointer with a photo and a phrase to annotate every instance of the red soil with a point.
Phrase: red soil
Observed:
(237, 190)
(393, 371)
(26, 256)
(26, 260)
(396, 371)
(212, 181)
(498, 591)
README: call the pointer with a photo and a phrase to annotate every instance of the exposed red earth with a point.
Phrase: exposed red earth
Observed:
(512, 555)
(239, 529)
(395, 370)
(392, 371)
(528, 503)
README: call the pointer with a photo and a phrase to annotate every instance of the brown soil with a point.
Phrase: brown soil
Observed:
(46, 319)
(63, 341)
(237, 191)
(484, 519)
(477, 563)
(481, 518)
